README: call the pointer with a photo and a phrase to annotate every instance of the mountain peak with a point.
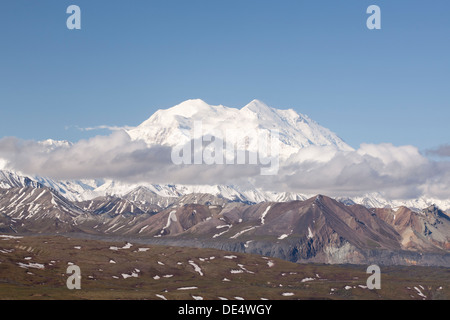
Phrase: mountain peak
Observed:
(193, 103)
(173, 126)
(257, 106)
(189, 107)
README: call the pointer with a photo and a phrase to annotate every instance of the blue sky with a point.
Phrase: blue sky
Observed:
(317, 57)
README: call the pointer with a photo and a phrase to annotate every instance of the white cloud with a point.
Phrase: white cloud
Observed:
(397, 172)
(115, 156)
(3, 164)
(106, 127)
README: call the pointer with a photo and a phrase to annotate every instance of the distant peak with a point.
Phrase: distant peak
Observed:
(198, 100)
(257, 106)
(194, 103)
(259, 102)
(53, 144)
(189, 107)
(319, 198)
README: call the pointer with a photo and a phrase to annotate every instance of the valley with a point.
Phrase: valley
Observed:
(34, 268)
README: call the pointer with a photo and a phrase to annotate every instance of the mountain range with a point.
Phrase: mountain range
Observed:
(319, 229)
(298, 227)
(174, 126)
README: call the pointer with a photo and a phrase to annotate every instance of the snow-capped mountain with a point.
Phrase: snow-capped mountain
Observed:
(233, 193)
(73, 190)
(377, 200)
(53, 144)
(164, 194)
(232, 217)
(175, 126)
(30, 205)
(14, 180)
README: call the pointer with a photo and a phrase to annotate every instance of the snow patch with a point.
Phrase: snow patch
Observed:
(420, 292)
(287, 294)
(236, 271)
(127, 246)
(187, 288)
(196, 268)
(310, 234)
(9, 237)
(31, 265)
(263, 216)
(172, 217)
(242, 232)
